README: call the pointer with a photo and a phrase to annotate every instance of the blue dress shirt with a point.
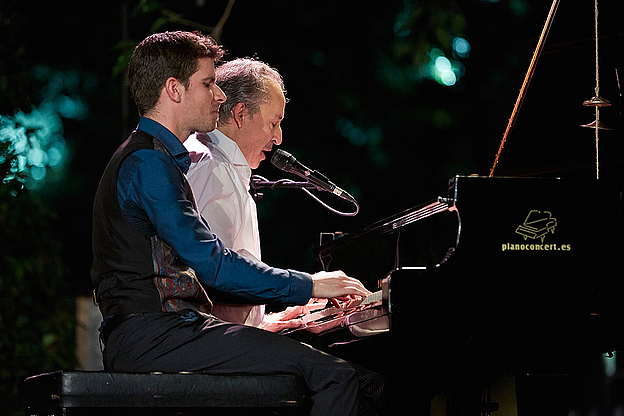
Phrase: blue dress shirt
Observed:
(152, 196)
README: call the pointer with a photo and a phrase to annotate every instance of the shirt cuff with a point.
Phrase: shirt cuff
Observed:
(300, 288)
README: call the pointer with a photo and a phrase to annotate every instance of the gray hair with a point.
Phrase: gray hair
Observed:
(245, 80)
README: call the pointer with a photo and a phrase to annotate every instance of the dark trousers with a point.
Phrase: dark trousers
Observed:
(187, 341)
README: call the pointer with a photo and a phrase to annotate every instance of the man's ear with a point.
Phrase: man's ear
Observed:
(239, 113)
(173, 89)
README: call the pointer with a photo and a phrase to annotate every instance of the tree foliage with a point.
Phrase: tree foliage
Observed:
(37, 312)
(37, 318)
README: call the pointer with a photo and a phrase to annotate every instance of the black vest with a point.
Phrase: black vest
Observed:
(133, 272)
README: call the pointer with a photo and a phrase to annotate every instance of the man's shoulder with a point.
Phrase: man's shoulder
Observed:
(138, 147)
(149, 156)
(150, 161)
(200, 148)
(205, 154)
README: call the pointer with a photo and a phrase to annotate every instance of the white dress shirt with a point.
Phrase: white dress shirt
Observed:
(219, 177)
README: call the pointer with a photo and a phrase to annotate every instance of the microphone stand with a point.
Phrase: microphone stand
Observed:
(258, 182)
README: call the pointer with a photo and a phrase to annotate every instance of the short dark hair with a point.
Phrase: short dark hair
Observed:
(164, 55)
(245, 80)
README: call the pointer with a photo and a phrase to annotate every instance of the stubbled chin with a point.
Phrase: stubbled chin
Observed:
(256, 163)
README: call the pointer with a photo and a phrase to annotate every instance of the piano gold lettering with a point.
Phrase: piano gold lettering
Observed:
(535, 247)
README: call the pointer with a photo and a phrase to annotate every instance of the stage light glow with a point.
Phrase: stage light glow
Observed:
(461, 47)
(71, 108)
(35, 137)
(355, 135)
(344, 127)
(442, 64)
(369, 138)
(38, 173)
(37, 157)
(448, 77)
(442, 69)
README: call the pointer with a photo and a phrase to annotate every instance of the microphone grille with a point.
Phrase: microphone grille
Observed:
(283, 160)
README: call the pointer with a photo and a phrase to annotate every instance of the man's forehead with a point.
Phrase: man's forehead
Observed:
(274, 108)
(277, 100)
(205, 68)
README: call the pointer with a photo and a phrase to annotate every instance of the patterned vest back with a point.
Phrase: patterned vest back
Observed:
(133, 272)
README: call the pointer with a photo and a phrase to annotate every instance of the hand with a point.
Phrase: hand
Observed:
(291, 316)
(346, 302)
(315, 304)
(336, 284)
(278, 321)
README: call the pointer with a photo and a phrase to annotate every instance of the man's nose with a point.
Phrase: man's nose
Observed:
(220, 96)
(277, 137)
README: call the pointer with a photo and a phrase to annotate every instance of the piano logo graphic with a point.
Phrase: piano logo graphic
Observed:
(537, 225)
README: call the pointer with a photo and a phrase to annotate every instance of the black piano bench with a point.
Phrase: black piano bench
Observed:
(94, 393)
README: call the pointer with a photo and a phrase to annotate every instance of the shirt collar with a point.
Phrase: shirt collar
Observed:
(173, 145)
(229, 147)
(231, 150)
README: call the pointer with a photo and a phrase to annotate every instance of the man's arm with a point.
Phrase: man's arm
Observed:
(156, 192)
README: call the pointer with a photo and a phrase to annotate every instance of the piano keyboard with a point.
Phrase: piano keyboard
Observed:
(332, 311)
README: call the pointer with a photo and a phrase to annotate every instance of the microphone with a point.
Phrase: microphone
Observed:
(288, 163)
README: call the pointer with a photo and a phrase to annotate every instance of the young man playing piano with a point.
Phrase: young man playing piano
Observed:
(154, 254)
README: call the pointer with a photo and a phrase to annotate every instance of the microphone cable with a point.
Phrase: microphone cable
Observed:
(258, 182)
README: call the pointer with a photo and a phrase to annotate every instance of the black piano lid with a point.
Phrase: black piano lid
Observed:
(504, 200)
(480, 238)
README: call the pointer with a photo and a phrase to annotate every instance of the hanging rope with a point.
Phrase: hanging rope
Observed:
(597, 91)
(597, 101)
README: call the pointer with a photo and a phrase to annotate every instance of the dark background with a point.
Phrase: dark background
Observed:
(345, 63)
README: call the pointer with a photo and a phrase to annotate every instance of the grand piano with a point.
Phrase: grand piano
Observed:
(516, 272)
(495, 274)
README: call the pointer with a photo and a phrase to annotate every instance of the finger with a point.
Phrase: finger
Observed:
(293, 323)
(357, 285)
(359, 291)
